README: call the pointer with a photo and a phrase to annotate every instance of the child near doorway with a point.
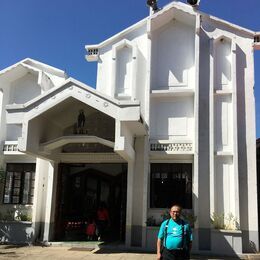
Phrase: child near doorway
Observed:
(103, 220)
(91, 229)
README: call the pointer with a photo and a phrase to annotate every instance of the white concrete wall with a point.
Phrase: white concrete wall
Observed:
(141, 79)
(225, 190)
(24, 89)
(50, 130)
(247, 142)
(57, 81)
(40, 193)
(50, 202)
(223, 64)
(126, 132)
(13, 132)
(142, 89)
(138, 188)
(5, 98)
(45, 82)
(1, 104)
(44, 199)
(124, 72)
(41, 130)
(172, 118)
(2, 126)
(104, 71)
(223, 124)
(105, 67)
(233, 116)
(173, 56)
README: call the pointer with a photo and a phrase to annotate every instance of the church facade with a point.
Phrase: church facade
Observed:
(171, 120)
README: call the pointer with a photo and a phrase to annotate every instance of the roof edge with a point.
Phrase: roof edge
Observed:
(181, 6)
(58, 72)
(30, 64)
(72, 81)
(120, 34)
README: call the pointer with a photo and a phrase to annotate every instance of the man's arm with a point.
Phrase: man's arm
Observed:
(190, 237)
(159, 242)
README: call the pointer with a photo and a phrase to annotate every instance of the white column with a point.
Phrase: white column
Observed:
(113, 73)
(49, 202)
(1, 104)
(39, 199)
(251, 152)
(134, 71)
(129, 202)
(148, 86)
(211, 128)
(145, 188)
(235, 125)
(2, 125)
(196, 120)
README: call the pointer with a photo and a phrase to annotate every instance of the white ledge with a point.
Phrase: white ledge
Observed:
(174, 91)
(172, 152)
(223, 153)
(237, 231)
(162, 140)
(93, 57)
(224, 92)
(61, 141)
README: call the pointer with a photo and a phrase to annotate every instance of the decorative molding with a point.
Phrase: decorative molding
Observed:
(124, 43)
(90, 157)
(172, 92)
(11, 147)
(93, 54)
(131, 93)
(171, 147)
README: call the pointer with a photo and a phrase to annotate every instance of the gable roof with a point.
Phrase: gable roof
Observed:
(33, 66)
(176, 5)
(125, 110)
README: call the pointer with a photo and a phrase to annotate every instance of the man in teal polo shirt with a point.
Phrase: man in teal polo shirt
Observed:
(174, 237)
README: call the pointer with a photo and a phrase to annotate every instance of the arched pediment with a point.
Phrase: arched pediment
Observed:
(124, 44)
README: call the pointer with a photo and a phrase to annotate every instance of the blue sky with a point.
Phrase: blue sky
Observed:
(55, 32)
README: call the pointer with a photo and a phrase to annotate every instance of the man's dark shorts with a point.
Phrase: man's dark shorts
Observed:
(175, 254)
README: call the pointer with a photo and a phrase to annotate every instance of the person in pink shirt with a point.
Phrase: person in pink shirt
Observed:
(91, 229)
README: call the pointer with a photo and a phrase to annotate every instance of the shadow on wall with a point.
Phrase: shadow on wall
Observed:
(221, 242)
(206, 238)
(248, 245)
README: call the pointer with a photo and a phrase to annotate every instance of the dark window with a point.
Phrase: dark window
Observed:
(19, 183)
(171, 183)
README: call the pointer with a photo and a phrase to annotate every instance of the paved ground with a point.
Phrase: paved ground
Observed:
(71, 253)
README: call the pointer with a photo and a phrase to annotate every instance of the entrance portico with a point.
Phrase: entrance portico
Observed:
(51, 132)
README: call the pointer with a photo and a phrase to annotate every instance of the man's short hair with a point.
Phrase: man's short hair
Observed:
(176, 205)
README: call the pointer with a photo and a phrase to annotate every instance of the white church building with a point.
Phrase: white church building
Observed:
(170, 120)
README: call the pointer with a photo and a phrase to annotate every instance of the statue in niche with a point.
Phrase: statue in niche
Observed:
(81, 121)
